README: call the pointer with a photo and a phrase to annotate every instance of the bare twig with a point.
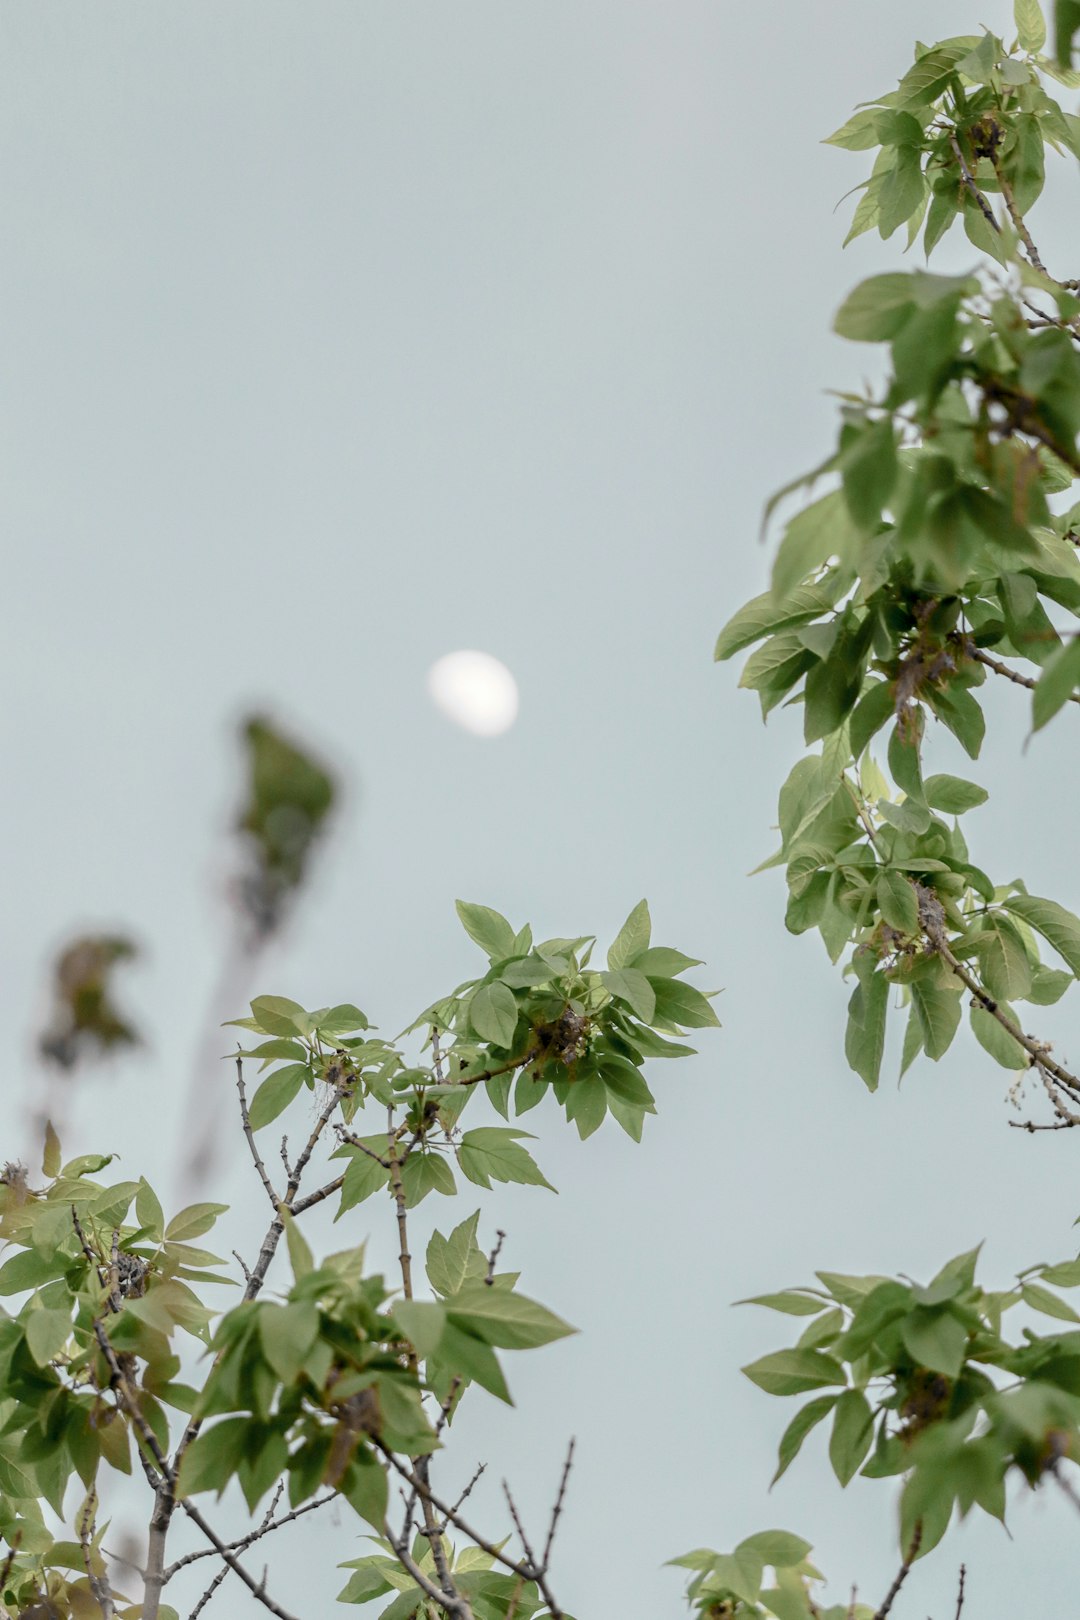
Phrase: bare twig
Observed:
(902, 1574)
(266, 1528)
(250, 1135)
(1009, 673)
(208, 1552)
(557, 1509)
(960, 1592)
(492, 1257)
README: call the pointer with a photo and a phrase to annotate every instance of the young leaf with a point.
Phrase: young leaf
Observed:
(492, 1153)
(488, 928)
(633, 937)
(275, 1094)
(493, 1013)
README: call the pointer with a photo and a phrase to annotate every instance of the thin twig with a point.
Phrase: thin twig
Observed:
(233, 1547)
(969, 181)
(421, 1465)
(557, 1509)
(960, 1592)
(1009, 673)
(902, 1575)
(99, 1583)
(492, 1257)
(250, 1134)
(268, 1526)
(1017, 218)
(932, 919)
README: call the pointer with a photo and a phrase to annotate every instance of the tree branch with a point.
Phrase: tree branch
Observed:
(902, 1575)
(969, 181)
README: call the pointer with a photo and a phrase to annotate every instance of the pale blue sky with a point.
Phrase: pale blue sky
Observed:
(338, 336)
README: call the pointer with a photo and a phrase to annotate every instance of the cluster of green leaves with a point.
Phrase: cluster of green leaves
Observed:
(540, 1021)
(329, 1380)
(729, 1584)
(968, 107)
(58, 1420)
(492, 1594)
(934, 559)
(922, 1384)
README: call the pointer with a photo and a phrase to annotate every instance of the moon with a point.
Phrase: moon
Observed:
(475, 691)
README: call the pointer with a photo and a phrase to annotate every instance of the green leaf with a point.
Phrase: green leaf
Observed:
(876, 705)
(28, 1269)
(852, 1432)
(47, 1332)
(897, 902)
(633, 987)
(288, 1333)
(1030, 24)
(789, 1301)
(149, 1211)
(864, 1041)
(423, 1173)
(212, 1457)
(807, 1418)
(859, 134)
(366, 1489)
(277, 1015)
(779, 1549)
(493, 1013)
(506, 1319)
(493, 1153)
(633, 937)
(876, 309)
(818, 532)
(193, 1222)
(364, 1175)
(1056, 925)
(1006, 969)
(958, 710)
(1048, 985)
(678, 1003)
(422, 1322)
(996, 1040)
(762, 615)
(1041, 1299)
(275, 1094)
(869, 472)
(488, 928)
(791, 1372)
(340, 1020)
(661, 962)
(586, 1103)
(938, 1012)
(52, 1155)
(935, 1338)
(952, 795)
(449, 1259)
(300, 1256)
(1057, 683)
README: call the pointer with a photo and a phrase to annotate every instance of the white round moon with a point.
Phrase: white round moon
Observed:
(476, 691)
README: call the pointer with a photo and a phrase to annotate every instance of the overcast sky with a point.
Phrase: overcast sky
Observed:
(338, 336)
